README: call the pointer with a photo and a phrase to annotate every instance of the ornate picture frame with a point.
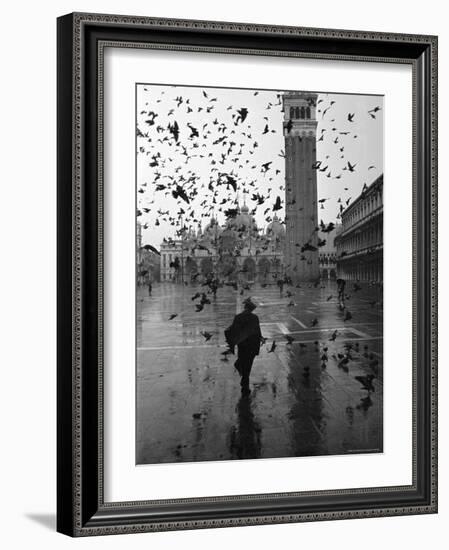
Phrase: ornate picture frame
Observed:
(81, 507)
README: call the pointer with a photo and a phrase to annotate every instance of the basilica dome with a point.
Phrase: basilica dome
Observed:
(276, 228)
(212, 230)
(243, 221)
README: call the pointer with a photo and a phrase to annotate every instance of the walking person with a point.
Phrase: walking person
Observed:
(150, 287)
(341, 283)
(214, 287)
(280, 284)
(246, 335)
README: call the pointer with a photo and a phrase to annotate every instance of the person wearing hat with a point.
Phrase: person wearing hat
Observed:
(341, 283)
(246, 335)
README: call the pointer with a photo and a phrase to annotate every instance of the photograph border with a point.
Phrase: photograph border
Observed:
(211, 87)
(81, 510)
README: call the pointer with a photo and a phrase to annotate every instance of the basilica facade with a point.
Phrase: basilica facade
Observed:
(237, 251)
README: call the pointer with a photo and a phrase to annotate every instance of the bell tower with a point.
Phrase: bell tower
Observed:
(301, 207)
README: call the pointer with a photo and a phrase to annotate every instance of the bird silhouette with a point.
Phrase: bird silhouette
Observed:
(366, 381)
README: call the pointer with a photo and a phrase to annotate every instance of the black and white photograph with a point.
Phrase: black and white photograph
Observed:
(214, 335)
(245, 336)
(259, 273)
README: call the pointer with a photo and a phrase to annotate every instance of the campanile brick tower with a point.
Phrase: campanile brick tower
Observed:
(301, 207)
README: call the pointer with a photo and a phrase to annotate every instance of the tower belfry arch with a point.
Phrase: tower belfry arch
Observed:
(301, 205)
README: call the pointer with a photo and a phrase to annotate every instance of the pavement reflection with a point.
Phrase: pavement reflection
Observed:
(245, 436)
(307, 398)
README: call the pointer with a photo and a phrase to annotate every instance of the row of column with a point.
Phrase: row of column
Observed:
(361, 271)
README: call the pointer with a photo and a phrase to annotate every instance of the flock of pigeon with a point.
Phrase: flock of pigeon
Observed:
(343, 357)
(199, 156)
(203, 154)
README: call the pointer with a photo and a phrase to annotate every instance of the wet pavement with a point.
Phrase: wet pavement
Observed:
(189, 405)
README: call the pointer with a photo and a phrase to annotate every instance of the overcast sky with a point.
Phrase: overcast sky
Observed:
(227, 146)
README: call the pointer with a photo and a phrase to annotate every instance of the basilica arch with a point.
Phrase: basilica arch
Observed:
(207, 267)
(191, 267)
(276, 267)
(264, 268)
(227, 267)
(249, 269)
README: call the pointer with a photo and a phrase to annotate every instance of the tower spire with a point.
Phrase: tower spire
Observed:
(300, 183)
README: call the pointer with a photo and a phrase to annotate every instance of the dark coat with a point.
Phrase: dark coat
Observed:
(341, 284)
(244, 333)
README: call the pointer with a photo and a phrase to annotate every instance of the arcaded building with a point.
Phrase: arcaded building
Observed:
(327, 255)
(360, 242)
(148, 261)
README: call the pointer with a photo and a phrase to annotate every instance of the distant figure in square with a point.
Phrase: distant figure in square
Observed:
(341, 283)
(214, 287)
(245, 334)
(280, 284)
(150, 288)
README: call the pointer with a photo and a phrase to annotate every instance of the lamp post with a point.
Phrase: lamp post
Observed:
(182, 250)
(276, 257)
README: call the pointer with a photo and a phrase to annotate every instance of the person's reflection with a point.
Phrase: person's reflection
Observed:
(365, 404)
(245, 440)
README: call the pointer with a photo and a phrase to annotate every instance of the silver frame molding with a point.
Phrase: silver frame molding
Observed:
(81, 42)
